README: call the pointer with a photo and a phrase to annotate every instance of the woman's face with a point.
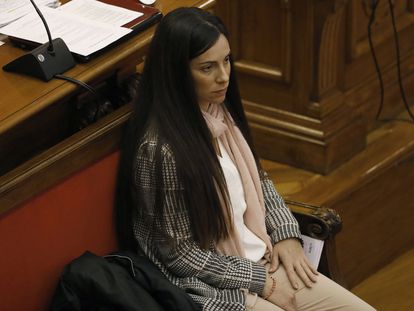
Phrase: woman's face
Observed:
(211, 72)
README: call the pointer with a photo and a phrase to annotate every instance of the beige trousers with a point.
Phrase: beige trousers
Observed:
(324, 295)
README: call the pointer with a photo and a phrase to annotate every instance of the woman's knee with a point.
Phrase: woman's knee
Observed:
(328, 295)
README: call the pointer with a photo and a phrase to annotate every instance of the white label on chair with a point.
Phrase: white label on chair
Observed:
(313, 249)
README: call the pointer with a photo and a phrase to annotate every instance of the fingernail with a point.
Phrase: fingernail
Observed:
(296, 286)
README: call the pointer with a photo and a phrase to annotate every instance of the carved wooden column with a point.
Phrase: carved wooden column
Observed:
(289, 58)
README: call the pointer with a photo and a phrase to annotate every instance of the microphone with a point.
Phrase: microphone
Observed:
(45, 61)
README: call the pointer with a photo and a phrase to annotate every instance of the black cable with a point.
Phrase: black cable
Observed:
(379, 75)
(374, 56)
(84, 85)
(78, 82)
(397, 50)
(50, 48)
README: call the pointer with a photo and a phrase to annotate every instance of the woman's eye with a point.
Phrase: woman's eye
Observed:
(206, 68)
(227, 59)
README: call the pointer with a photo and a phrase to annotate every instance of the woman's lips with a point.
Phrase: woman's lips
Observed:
(221, 92)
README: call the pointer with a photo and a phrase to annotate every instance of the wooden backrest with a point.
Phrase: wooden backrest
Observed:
(38, 238)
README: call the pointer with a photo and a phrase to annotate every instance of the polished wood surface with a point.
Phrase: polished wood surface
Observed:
(61, 160)
(32, 116)
(371, 192)
(391, 288)
(308, 81)
(26, 96)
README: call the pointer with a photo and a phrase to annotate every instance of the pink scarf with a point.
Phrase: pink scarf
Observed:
(224, 129)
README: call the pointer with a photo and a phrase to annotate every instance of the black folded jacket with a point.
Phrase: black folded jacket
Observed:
(120, 281)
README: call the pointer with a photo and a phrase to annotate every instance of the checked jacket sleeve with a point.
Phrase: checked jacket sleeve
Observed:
(280, 222)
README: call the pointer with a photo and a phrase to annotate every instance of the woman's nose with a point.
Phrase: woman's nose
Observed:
(223, 74)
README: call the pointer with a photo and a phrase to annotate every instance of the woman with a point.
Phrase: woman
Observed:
(191, 192)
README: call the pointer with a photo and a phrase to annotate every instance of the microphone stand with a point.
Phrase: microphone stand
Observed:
(45, 61)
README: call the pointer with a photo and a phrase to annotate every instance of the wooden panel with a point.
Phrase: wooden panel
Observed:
(382, 32)
(63, 159)
(359, 60)
(370, 193)
(34, 135)
(391, 288)
(311, 154)
(26, 95)
(47, 127)
(366, 97)
(45, 158)
(381, 228)
(269, 53)
(290, 78)
(320, 115)
(361, 84)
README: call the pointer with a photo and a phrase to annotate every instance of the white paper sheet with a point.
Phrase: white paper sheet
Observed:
(11, 10)
(82, 36)
(313, 249)
(100, 12)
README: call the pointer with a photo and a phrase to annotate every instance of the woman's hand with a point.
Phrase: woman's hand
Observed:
(283, 297)
(291, 255)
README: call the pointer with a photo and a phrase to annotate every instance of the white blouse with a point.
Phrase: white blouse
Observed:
(254, 247)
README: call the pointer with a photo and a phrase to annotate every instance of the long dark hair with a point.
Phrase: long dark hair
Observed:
(167, 100)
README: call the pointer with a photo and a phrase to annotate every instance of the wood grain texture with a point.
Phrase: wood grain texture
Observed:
(63, 159)
(372, 194)
(360, 80)
(34, 137)
(317, 117)
(294, 68)
(377, 222)
(26, 96)
(391, 288)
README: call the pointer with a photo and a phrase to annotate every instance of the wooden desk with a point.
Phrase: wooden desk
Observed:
(35, 151)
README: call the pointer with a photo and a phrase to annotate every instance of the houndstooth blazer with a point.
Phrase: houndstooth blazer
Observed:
(214, 281)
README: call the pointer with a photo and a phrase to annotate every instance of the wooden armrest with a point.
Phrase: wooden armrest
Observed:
(323, 224)
(316, 221)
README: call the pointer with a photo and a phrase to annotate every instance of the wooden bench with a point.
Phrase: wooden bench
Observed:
(41, 236)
